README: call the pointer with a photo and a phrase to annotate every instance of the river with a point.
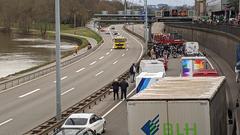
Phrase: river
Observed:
(21, 53)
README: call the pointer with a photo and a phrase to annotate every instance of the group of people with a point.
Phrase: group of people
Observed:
(164, 51)
(117, 85)
(123, 84)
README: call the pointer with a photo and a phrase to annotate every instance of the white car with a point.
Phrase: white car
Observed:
(85, 120)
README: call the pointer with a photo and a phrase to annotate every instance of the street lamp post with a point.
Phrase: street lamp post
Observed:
(58, 55)
(239, 7)
(146, 23)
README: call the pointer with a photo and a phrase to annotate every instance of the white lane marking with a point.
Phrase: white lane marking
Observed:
(92, 63)
(65, 77)
(138, 43)
(80, 70)
(99, 73)
(67, 91)
(115, 62)
(123, 54)
(107, 53)
(126, 49)
(111, 50)
(5, 122)
(101, 57)
(29, 93)
(133, 89)
(114, 107)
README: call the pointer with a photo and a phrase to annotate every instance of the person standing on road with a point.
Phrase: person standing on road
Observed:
(237, 70)
(153, 54)
(124, 85)
(75, 50)
(115, 87)
(132, 71)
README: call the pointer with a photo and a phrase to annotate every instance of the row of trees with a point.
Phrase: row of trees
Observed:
(234, 4)
(40, 14)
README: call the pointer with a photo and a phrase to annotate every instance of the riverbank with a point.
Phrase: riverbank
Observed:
(83, 36)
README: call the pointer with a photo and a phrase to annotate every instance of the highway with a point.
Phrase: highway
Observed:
(117, 120)
(30, 104)
(117, 123)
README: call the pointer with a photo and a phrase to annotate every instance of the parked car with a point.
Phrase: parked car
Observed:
(86, 120)
(75, 131)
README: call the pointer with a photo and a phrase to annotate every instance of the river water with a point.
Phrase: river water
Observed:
(21, 53)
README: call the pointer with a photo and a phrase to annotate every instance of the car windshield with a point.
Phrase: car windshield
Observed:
(76, 121)
(120, 40)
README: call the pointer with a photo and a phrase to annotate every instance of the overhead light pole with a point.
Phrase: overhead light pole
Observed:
(146, 23)
(125, 7)
(58, 56)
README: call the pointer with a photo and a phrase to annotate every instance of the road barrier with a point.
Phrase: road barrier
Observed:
(23, 79)
(52, 125)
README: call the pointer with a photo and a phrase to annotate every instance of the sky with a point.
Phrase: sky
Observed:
(169, 2)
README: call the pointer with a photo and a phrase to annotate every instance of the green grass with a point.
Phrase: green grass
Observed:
(82, 31)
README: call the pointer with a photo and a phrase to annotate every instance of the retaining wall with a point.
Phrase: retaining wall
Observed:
(224, 44)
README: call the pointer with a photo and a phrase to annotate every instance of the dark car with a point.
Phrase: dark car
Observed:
(75, 131)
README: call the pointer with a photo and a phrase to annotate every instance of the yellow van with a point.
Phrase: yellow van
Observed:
(119, 42)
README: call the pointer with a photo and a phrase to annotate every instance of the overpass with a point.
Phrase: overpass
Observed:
(137, 18)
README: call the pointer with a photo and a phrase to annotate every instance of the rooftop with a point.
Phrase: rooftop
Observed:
(181, 88)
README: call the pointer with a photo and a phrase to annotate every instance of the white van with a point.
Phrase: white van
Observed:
(191, 48)
(152, 66)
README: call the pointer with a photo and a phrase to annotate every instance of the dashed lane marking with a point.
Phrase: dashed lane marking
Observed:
(29, 93)
(80, 70)
(5, 122)
(65, 77)
(115, 62)
(99, 73)
(101, 57)
(92, 63)
(67, 91)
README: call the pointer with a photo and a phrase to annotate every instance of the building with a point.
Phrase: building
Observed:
(217, 7)
(200, 7)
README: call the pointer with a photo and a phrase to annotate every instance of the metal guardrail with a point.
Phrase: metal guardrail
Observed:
(52, 125)
(22, 79)
(48, 127)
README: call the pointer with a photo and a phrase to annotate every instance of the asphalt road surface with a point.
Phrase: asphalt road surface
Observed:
(117, 123)
(26, 106)
(117, 119)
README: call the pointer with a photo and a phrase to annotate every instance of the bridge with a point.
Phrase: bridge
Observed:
(137, 18)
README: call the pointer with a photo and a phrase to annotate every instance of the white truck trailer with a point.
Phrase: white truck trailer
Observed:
(179, 106)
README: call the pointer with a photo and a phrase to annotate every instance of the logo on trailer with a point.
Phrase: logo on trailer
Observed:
(151, 126)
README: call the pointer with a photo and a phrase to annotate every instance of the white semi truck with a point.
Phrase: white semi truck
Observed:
(179, 106)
